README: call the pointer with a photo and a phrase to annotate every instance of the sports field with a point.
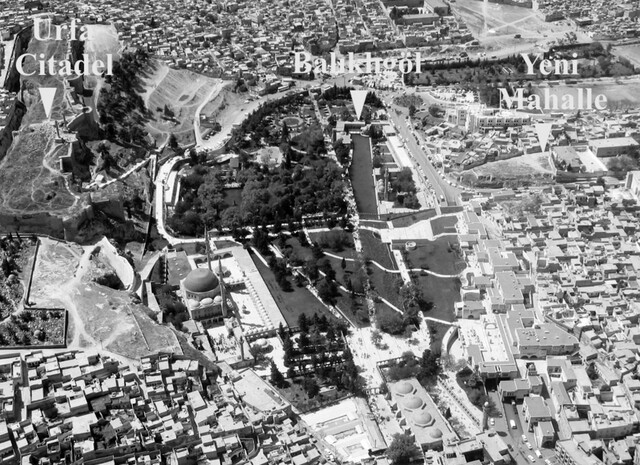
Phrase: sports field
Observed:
(495, 26)
(630, 52)
(620, 93)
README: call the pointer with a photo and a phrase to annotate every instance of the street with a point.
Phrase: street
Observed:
(441, 187)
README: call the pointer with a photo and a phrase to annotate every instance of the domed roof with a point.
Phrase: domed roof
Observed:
(436, 433)
(217, 299)
(404, 388)
(201, 280)
(206, 301)
(413, 402)
(193, 303)
(423, 418)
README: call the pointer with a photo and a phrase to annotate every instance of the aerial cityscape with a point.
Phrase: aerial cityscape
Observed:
(375, 232)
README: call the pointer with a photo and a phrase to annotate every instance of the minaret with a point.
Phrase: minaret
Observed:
(222, 289)
(208, 247)
(485, 416)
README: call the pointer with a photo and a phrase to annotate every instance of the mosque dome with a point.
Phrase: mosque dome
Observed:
(413, 403)
(404, 388)
(201, 280)
(423, 419)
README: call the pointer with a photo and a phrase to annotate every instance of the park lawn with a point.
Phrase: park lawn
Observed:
(291, 304)
(437, 332)
(437, 256)
(304, 253)
(386, 285)
(374, 249)
(353, 310)
(444, 225)
(443, 293)
(347, 250)
(384, 309)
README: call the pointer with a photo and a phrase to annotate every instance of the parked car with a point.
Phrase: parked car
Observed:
(531, 458)
(524, 438)
(538, 453)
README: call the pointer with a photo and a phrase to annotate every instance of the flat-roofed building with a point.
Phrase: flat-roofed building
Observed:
(437, 7)
(535, 410)
(613, 146)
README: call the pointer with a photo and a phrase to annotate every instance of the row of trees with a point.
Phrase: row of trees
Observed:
(122, 109)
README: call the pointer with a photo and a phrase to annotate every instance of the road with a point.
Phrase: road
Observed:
(420, 156)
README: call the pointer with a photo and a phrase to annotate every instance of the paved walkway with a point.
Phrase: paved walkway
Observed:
(415, 270)
(119, 178)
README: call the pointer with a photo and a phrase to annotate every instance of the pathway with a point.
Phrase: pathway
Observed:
(415, 270)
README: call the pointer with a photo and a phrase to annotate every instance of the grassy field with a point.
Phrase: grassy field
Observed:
(444, 225)
(443, 292)
(374, 249)
(387, 285)
(523, 166)
(291, 304)
(361, 173)
(182, 92)
(29, 178)
(355, 309)
(437, 256)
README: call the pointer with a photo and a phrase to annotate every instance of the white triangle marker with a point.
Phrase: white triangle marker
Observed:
(47, 94)
(358, 97)
(543, 130)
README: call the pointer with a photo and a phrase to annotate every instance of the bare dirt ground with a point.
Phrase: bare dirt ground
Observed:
(100, 318)
(525, 165)
(103, 40)
(183, 92)
(36, 114)
(30, 180)
(495, 26)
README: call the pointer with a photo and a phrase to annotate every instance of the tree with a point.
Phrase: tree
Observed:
(303, 323)
(412, 110)
(434, 110)
(193, 156)
(277, 379)
(429, 366)
(310, 386)
(391, 323)
(402, 449)
(328, 291)
(173, 141)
